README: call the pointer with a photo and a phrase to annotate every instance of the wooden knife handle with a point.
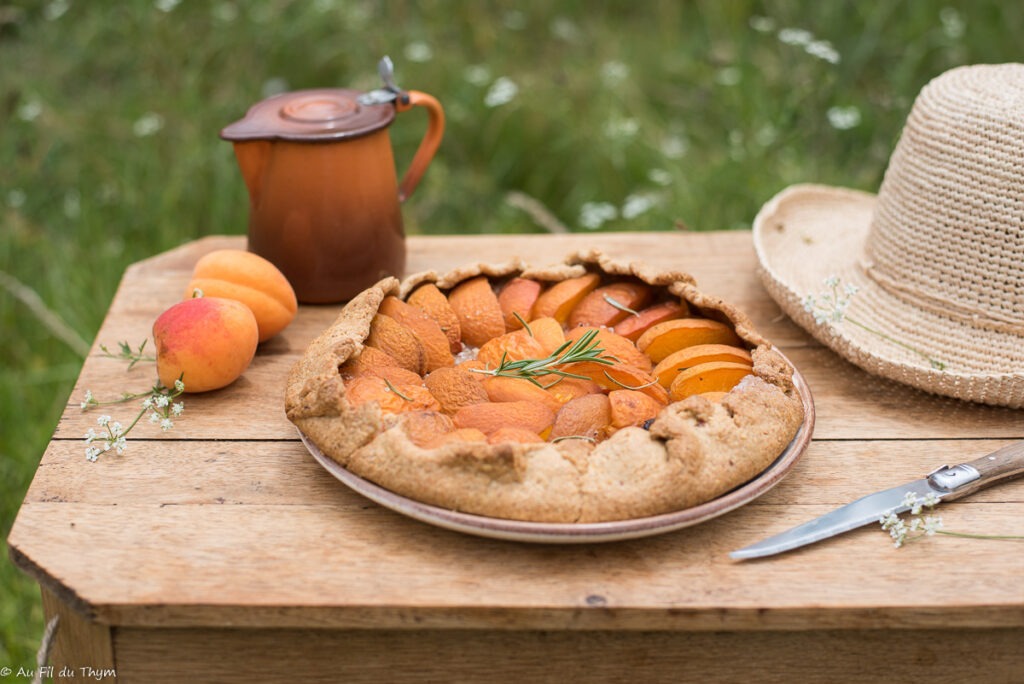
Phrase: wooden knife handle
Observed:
(1004, 464)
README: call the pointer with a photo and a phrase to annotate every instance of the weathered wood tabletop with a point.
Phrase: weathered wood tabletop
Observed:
(220, 551)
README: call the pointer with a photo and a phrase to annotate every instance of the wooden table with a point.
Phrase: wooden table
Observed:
(220, 551)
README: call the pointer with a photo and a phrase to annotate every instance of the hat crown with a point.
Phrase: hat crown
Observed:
(948, 230)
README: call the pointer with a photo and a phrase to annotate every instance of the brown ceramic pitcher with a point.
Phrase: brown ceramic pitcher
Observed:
(323, 192)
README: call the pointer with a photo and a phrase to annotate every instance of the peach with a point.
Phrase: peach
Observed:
(251, 280)
(207, 342)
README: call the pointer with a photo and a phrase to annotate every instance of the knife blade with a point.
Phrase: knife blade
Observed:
(945, 483)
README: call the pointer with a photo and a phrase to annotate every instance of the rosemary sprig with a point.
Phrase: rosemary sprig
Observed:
(619, 305)
(586, 348)
(526, 326)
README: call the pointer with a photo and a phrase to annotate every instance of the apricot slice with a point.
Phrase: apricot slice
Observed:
(609, 304)
(513, 346)
(632, 327)
(427, 428)
(517, 298)
(716, 376)
(514, 434)
(630, 407)
(587, 417)
(534, 416)
(688, 357)
(671, 336)
(397, 341)
(463, 435)
(560, 299)
(615, 346)
(618, 376)
(548, 331)
(390, 397)
(500, 388)
(477, 308)
(565, 389)
(370, 359)
(433, 302)
(454, 388)
(435, 343)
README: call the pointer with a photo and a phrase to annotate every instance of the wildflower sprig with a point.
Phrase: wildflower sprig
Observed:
(586, 348)
(831, 305)
(921, 524)
(158, 403)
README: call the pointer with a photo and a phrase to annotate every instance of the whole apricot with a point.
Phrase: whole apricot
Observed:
(250, 279)
(207, 342)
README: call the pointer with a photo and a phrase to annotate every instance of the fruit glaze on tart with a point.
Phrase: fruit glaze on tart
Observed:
(585, 392)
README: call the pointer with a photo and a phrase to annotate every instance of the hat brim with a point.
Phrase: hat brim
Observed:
(810, 233)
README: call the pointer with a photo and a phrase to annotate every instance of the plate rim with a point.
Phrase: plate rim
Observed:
(582, 533)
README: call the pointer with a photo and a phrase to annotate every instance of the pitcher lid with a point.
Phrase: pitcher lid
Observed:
(320, 114)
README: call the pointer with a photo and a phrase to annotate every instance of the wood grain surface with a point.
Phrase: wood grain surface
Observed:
(226, 522)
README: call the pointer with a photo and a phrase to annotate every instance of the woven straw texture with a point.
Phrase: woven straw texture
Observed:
(937, 257)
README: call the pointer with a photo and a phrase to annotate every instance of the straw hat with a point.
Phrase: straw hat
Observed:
(923, 283)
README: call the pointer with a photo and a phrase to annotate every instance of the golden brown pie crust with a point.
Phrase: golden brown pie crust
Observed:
(694, 451)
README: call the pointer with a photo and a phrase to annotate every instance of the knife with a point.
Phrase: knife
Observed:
(945, 484)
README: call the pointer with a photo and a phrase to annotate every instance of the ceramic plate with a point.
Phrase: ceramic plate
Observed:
(585, 533)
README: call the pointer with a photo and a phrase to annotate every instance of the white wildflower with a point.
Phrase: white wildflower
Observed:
(178, 408)
(613, 73)
(843, 118)
(932, 524)
(93, 453)
(161, 401)
(179, 386)
(418, 51)
(477, 74)
(88, 401)
(166, 424)
(762, 24)
(952, 23)
(635, 205)
(148, 124)
(166, 6)
(620, 128)
(824, 50)
(795, 36)
(502, 91)
(674, 147)
(659, 177)
(728, 76)
(594, 214)
(103, 421)
(30, 110)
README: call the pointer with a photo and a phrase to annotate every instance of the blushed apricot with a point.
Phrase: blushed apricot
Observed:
(632, 327)
(671, 336)
(630, 407)
(534, 416)
(391, 398)
(617, 376)
(250, 279)
(427, 428)
(500, 388)
(397, 341)
(559, 300)
(588, 417)
(689, 357)
(477, 308)
(514, 434)
(716, 376)
(454, 388)
(207, 342)
(517, 297)
(435, 344)
(609, 304)
(564, 389)
(434, 303)
(615, 346)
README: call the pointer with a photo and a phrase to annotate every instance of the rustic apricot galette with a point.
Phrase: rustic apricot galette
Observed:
(590, 391)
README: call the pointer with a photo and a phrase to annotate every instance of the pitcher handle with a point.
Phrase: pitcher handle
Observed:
(429, 144)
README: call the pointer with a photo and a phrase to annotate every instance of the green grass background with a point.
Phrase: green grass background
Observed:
(697, 112)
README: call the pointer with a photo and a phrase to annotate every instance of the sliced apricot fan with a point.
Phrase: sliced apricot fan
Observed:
(617, 376)
(434, 303)
(514, 434)
(435, 342)
(609, 304)
(615, 346)
(671, 336)
(630, 407)
(489, 417)
(454, 388)
(477, 308)
(560, 299)
(588, 417)
(391, 398)
(397, 341)
(632, 327)
(500, 388)
(716, 376)
(517, 298)
(688, 357)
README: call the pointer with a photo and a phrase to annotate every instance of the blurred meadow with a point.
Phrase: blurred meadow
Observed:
(595, 116)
